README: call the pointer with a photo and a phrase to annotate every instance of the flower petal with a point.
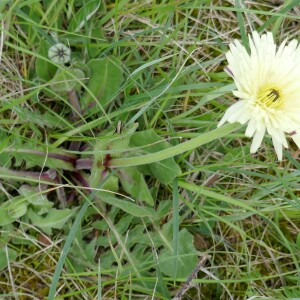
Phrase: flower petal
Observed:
(251, 128)
(296, 138)
(232, 113)
(278, 148)
(257, 139)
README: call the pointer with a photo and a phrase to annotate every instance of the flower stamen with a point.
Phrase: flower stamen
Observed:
(269, 97)
(273, 95)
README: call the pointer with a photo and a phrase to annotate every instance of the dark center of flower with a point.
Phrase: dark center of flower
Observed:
(273, 95)
(270, 97)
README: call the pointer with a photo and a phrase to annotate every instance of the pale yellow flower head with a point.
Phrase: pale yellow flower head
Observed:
(267, 85)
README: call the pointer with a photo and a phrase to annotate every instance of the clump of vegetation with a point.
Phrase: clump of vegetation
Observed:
(115, 182)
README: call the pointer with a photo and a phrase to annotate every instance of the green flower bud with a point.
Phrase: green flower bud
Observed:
(59, 53)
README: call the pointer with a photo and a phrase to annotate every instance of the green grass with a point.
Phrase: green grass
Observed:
(114, 181)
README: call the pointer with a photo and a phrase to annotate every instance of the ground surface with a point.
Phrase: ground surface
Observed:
(79, 220)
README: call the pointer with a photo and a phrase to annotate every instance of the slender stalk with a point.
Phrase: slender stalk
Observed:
(50, 175)
(69, 158)
(76, 114)
(84, 163)
(187, 285)
(178, 149)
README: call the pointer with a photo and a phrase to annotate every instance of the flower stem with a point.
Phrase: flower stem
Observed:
(175, 150)
(48, 176)
(77, 114)
(84, 163)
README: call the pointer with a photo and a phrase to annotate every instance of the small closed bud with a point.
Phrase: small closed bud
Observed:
(59, 53)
